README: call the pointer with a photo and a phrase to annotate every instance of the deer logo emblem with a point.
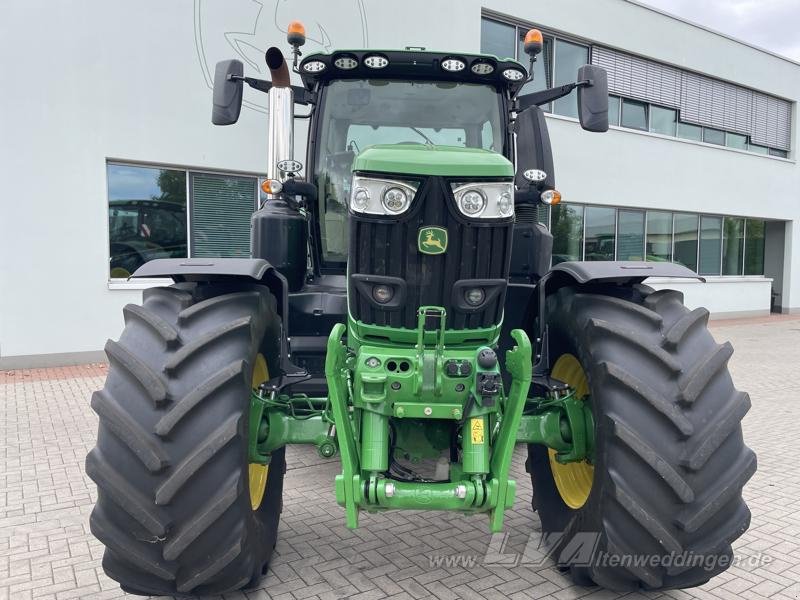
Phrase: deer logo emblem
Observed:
(432, 240)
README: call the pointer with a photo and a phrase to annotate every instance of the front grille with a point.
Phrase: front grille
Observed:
(388, 248)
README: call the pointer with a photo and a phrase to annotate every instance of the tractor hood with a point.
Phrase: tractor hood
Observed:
(444, 161)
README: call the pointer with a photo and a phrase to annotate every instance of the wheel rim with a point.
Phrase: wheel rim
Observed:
(573, 480)
(258, 473)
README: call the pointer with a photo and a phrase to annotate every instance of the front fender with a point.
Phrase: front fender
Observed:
(626, 272)
(214, 269)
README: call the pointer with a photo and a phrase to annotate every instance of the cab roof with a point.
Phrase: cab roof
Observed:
(412, 64)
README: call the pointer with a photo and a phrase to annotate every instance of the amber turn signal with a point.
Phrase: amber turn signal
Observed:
(551, 197)
(271, 186)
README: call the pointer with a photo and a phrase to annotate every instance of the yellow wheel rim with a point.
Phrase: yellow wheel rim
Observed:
(120, 273)
(573, 480)
(258, 473)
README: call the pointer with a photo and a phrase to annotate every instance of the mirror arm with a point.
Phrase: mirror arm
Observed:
(545, 96)
(301, 94)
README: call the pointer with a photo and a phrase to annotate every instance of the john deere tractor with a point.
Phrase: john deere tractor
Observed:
(400, 313)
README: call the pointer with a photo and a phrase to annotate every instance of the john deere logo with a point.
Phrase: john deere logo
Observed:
(432, 240)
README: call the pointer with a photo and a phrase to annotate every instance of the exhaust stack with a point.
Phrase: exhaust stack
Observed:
(280, 143)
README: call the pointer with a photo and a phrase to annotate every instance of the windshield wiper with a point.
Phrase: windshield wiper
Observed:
(428, 140)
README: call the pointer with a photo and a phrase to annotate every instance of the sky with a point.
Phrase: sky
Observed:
(770, 24)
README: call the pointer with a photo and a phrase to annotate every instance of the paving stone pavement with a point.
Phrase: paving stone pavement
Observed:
(47, 552)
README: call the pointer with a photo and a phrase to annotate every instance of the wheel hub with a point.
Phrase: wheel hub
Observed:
(257, 472)
(573, 479)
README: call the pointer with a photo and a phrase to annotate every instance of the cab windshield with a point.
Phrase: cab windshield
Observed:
(360, 113)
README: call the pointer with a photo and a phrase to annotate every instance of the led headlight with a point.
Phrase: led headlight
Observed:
(513, 74)
(485, 200)
(482, 68)
(376, 61)
(472, 202)
(314, 66)
(381, 196)
(453, 65)
(395, 199)
(346, 62)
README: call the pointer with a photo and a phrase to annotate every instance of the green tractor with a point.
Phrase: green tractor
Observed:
(400, 312)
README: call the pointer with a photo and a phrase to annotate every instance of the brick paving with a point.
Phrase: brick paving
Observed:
(47, 552)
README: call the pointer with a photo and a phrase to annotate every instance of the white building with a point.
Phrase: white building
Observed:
(100, 98)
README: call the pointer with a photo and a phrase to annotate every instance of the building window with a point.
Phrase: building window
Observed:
(149, 216)
(146, 216)
(690, 132)
(700, 99)
(754, 247)
(710, 245)
(569, 57)
(732, 246)
(613, 110)
(656, 86)
(684, 247)
(713, 136)
(634, 114)
(600, 232)
(221, 209)
(736, 140)
(663, 120)
(567, 228)
(630, 235)
(659, 236)
(498, 38)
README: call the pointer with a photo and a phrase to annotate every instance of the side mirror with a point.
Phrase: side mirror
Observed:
(227, 92)
(593, 98)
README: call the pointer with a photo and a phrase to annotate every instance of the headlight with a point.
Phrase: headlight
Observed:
(360, 198)
(382, 293)
(381, 196)
(472, 202)
(513, 74)
(485, 200)
(475, 296)
(395, 200)
(314, 66)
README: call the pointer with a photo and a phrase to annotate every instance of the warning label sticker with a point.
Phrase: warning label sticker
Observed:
(476, 427)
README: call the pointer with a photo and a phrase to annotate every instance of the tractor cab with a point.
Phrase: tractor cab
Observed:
(414, 99)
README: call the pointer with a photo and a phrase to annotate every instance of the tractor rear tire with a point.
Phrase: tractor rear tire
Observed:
(670, 462)
(171, 462)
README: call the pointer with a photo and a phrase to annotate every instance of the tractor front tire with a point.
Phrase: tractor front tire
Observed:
(662, 501)
(171, 465)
